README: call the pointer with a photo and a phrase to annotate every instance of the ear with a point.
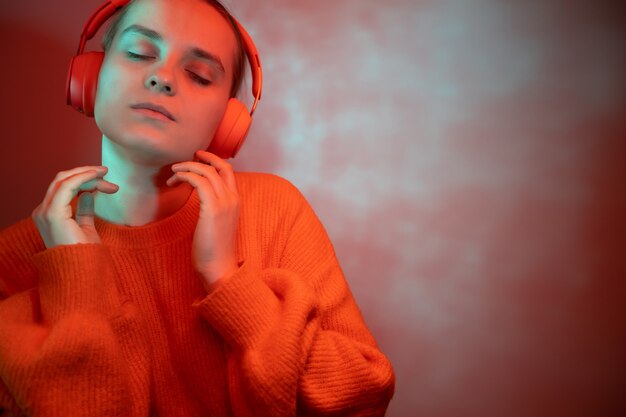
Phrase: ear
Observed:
(232, 130)
(82, 81)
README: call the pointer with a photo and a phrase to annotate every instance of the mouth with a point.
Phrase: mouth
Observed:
(154, 110)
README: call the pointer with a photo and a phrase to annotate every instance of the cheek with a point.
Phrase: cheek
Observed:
(204, 120)
(112, 95)
(105, 94)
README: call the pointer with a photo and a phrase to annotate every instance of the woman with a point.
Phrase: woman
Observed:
(176, 287)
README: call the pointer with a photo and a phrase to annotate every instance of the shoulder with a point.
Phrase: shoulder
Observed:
(18, 243)
(264, 187)
(273, 199)
(20, 237)
(268, 200)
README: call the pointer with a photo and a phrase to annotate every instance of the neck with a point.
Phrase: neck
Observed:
(143, 196)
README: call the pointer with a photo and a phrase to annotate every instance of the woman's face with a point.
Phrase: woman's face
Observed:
(177, 54)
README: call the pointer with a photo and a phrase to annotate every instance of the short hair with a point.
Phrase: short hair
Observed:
(238, 65)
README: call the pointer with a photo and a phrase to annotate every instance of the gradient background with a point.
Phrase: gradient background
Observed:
(468, 159)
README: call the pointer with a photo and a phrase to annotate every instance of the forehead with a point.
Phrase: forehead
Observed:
(184, 24)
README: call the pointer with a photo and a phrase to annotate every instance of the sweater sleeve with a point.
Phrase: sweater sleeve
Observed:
(65, 343)
(297, 342)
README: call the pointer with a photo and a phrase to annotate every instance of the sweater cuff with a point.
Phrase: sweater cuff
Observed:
(76, 278)
(242, 308)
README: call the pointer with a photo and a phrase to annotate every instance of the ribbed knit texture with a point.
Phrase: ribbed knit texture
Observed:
(126, 327)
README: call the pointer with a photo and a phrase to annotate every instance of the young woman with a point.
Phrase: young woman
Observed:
(175, 286)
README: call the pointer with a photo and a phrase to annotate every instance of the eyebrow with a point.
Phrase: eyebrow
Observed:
(195, 51)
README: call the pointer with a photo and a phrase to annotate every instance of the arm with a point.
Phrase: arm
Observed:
(65, 344)
(297, 341)
(66, 337)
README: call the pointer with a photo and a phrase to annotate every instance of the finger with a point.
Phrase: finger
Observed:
(100, 185)
(206, 171)
(85, 209)
(61, 176)
(60, 179)
(68, 188)
(223, 168)
(206, 194)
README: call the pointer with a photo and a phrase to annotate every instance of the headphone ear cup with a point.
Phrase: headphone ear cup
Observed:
(82, 81)
(232, 130)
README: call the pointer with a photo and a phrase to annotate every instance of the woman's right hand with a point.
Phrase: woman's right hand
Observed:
(53, 216)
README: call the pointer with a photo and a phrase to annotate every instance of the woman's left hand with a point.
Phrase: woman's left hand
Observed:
(213, 250)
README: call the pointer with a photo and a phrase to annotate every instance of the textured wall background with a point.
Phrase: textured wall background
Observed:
(467, 158)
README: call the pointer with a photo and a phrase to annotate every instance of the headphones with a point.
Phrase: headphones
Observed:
(82, 82)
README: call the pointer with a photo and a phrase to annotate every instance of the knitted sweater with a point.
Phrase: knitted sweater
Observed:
(126, 328)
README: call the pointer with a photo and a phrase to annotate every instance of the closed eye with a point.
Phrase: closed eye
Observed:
(137, 56)
(198, 79)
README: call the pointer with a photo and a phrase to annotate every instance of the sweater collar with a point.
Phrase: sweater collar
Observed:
(179, 224)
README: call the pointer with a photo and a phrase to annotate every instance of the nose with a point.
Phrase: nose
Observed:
(160, 82)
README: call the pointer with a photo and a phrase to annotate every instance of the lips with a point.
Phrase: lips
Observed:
(154, 107)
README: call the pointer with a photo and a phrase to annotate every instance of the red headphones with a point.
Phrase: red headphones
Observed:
(82, 81)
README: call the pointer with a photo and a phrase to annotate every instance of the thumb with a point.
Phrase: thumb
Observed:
(85, 209)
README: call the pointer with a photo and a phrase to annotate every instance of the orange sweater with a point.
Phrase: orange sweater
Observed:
(126, 328)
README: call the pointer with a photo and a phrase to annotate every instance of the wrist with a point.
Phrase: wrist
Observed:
(214, 274)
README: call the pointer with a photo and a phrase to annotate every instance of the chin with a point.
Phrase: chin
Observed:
(147, 143)
(144, 147)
